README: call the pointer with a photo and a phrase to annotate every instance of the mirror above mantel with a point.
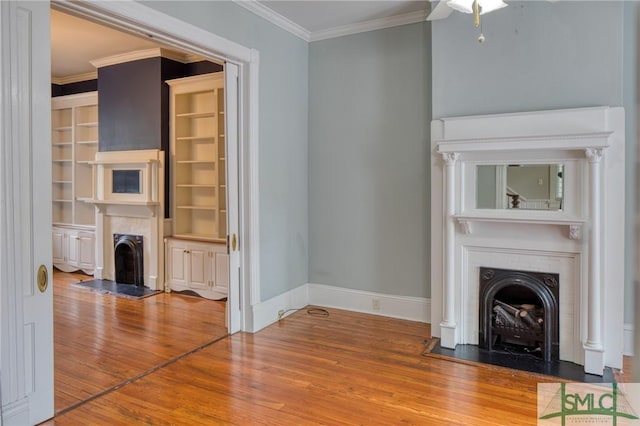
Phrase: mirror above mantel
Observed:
(520, 186)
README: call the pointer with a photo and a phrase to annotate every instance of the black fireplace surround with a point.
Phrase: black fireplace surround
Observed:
(129, 259)
(507, 291)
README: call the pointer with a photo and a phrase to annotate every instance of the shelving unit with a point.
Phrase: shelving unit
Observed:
(74, 120)
(197, 152)
(196, 254)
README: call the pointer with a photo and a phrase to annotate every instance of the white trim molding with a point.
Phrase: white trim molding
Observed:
(386, 305)
(149, 23)
(628, 347)
(136, 55)
(372, 25)
(275, 18)
(15, 413)
(266, 313)
(359, 27)
(92, 75)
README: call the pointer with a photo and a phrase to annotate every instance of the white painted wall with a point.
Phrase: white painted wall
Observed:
(369, 184)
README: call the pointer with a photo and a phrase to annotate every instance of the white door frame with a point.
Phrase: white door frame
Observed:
(134, 17)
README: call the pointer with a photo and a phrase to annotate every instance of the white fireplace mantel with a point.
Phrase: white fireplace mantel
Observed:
(140, 213)
(581, 241)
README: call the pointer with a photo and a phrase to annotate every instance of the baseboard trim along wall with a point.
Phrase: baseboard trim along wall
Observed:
(402, 307)
(387, 305)
(628, 339)
(266, 313)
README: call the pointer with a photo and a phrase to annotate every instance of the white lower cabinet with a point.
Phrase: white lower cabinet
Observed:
(197, 266)
(74, 249)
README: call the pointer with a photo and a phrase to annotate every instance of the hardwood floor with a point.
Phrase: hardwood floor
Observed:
(101, 340)
(347, 368)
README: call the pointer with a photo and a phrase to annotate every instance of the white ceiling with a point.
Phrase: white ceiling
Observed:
(75, 42)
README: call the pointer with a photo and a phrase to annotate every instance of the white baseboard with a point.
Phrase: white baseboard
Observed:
(628, 340)
(401, 307)
(15, 413)
(266, 313)
(99, 273)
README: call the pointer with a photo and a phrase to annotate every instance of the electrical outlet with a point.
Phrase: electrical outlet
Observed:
(375, 304)
(280, 313)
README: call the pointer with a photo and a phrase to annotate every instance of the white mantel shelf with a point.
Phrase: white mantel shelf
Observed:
(522, 143)
(574, 224)
(103, 205)
(132, 159)
(123, 203)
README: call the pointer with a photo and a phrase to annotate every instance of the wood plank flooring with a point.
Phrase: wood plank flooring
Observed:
(347, 368)
(102, 340)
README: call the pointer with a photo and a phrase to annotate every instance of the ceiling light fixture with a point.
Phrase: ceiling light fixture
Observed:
(477, 7)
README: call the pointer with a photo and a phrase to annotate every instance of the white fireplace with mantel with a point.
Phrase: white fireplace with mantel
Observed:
(581, 238)
(129, 196)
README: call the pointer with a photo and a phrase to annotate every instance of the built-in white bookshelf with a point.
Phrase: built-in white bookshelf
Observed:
(198, 191)
(74, 140)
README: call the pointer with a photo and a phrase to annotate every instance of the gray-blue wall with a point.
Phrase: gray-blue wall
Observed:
(283, 134)
(630, 103)
(537, 55)
(369, 184)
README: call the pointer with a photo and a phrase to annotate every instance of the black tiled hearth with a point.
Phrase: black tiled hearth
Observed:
(111, 287)
(524, 362)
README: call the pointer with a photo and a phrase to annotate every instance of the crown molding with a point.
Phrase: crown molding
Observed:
(275, 18)
(191, 57)
(374, 24)
(343, 30)
(92, 75)
(137, 55)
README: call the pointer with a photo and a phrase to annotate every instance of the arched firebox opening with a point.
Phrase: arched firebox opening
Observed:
(129, 259)
(520, 310)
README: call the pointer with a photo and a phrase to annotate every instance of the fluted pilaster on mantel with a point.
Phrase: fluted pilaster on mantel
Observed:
(594, 350)
(448, 324)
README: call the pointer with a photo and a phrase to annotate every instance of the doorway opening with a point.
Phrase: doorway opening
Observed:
(148, 319)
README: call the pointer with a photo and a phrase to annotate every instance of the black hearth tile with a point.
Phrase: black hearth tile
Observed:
(524, 362)
(111, 287)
